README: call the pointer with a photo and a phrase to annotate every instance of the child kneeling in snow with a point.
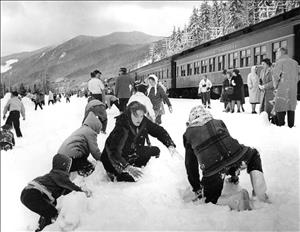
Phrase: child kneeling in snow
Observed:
(7, 140)
(208, 143)
(40, 194)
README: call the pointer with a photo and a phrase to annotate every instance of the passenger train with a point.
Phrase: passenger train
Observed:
(182, 72)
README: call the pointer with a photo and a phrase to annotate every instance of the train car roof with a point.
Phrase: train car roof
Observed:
(276, 19)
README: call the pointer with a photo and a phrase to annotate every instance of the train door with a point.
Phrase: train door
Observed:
(297, 52)
(173, 74)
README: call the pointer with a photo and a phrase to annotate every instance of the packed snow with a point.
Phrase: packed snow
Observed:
(156, 201)
(7, 66)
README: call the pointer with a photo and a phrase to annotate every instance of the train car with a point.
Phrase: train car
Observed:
(238, 50)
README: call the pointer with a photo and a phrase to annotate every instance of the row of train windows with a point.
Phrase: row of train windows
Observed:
(160, 74)
(210, 65)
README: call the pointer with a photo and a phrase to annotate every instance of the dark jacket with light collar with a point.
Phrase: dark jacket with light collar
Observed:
(213, 146)
(124, 140)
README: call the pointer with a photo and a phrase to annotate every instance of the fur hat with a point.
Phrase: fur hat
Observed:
(199, 116)
(61, 162)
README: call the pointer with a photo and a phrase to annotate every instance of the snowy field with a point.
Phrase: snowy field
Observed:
(155, 202)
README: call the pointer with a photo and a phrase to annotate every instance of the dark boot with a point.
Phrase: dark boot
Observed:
(43, 222)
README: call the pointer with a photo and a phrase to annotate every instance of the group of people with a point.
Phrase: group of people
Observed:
(275, 89)
(127, 149)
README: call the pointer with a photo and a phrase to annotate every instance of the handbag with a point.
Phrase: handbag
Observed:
(229, 90)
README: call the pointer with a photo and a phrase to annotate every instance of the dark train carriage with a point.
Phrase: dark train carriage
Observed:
(162, 69)
(241, 49)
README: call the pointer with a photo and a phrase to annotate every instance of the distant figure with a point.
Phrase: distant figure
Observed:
(96, 86)
(285, 80)
(50, 98)
(254, 92)
(68, 97)
(15, 107)
(38, 101)
(7, 140)
(209, 145)
(157, 96)
(204, 90)
(124, 84)
(266, 87)
(40, 194)
(236, 97)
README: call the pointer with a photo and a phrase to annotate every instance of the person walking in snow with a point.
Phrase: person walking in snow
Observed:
(38, 101)
(40, 194)
(266, 87)
(98, 108)
(140, 96)
(125, 151)
(286, 75)
(124, 84)
(50, 98)
(237, 96)
(209, 145)
(15, 107)
(96, 86)
(157, 96)
(81, 143)
(254, 92)
(204, 90)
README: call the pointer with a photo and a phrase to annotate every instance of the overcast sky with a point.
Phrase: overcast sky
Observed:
(27, 26)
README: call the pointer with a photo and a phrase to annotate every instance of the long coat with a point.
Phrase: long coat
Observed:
(267, 94)
(254, 92)
(237, 88)
(122, 89)
(125, 139)
(285, 80)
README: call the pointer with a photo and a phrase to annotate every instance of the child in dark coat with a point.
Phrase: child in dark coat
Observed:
(209, 145)
(7, 140)
(40, 194)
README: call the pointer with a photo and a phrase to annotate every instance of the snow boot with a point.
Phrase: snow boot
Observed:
(259, 185)
(43, 222)
(240, 201)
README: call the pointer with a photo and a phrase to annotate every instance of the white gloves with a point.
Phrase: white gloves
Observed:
(233, 83)
(135, 172)
(170, 109)
(174, 153)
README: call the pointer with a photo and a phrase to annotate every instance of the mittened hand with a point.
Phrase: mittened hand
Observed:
(170, 109)
(233, 83)
(174, 153)
(135, 172)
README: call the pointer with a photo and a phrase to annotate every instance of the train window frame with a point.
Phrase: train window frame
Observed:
(230, 60)
(260, 53)
(196, 67)
(189, 69)
(204, 66)
(182, 70)
(245, 56)
(212, 64)
(177, 71)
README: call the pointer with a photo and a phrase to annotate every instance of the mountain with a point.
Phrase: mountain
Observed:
(73, 60)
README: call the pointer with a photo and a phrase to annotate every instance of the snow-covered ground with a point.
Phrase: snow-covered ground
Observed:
(155, 202)
(7, 66)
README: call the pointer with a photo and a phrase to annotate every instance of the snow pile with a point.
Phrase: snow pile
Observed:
(156, 201)
(7, 66)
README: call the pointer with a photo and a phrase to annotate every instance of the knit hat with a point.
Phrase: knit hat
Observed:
(199, 116)
(123, 70)
(142, 88)
(62, 162)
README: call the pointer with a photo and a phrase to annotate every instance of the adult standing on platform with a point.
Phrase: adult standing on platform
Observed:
(15, 107)
(254, 92)
(204, 89)
(96, 86)
(285, 79)
(123, 86)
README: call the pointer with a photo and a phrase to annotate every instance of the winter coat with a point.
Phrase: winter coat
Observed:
(225, 97)
(285, 80)
(237, 83)
(6, 139)
(57, 182)
(83, 141)
(14, 104)
(122, 89)
(213, 146)
(123, 142)
(50, 98)
(253, 82)
(267, 94)
(204, 86)
(143, 99)
(158, 98)
(95, 86)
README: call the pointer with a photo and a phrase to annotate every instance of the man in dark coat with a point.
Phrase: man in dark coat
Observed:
(124, 83)
(125, 151)
(208, 143)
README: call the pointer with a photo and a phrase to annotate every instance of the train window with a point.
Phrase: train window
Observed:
(182, 70)
(203, 66)
(259, 54)
(189, 70)
(196, 67)
(235, 59)
(167, 73)
(212, 63)
(221, 62)
(230, 60)
(275, 47)
(177, 71)
(245, 56)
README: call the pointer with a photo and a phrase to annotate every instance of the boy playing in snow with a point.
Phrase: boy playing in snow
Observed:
(208, 143)
(7, 140)
(40, 194)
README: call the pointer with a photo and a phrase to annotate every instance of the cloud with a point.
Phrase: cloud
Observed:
(32, 25)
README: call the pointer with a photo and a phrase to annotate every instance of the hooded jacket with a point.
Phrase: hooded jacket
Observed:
(124, 140)
(57, 182)
(98, 108)
(83, 141)
(253, 82)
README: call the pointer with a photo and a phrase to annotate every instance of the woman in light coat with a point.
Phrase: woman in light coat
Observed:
(266, 87)
(254, 92)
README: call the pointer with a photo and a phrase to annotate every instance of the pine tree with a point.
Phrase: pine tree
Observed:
(195, 27)
(216, 17)
(236, 14)
(205, 16)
